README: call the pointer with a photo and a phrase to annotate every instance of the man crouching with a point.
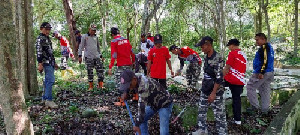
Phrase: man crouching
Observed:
(153, 98)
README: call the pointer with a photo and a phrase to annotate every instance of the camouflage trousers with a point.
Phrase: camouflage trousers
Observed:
(218, 107)
(192, 74)
(118, 73)
(64, 63)
(92, 64)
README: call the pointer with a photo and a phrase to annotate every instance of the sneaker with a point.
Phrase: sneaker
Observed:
(51, 104)
(238, 122)
(199, 132)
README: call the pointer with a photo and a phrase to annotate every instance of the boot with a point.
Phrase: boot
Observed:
(135, 97)
(121, 103)
(100, 85)
(90, 86)
(63, 73)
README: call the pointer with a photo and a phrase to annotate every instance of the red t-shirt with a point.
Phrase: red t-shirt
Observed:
(65, 47)
(188, 54)
(122, 51)
(159, 57)
(237, 60)
(151, 38)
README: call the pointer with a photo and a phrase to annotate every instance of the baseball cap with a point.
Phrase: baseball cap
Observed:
(93, 27)
(45, 25)
(233, 42)
(157, 39)
(54, 33)
(173, 47)
(204, 40)
(114, 30)
(126, 78)
(77, 31)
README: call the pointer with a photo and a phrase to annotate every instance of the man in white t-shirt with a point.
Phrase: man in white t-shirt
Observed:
(141, 57)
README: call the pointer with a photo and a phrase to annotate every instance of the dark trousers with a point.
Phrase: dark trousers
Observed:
(163, 82)
(236, 91)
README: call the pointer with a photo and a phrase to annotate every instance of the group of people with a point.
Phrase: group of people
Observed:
(150, 88)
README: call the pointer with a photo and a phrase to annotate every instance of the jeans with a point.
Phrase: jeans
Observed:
(164, 118)
(48, 83)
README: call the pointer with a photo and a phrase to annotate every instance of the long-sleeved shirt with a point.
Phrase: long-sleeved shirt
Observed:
(121, 50)
(152, 94)
(44, 50)
(188, 54)
(264, 59)
(213, 67)
(65, 48)
(146, 46)
(91, 47)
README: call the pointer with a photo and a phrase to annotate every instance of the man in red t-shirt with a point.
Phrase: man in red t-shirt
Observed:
(150, 37)
(66, 52)
(121, 50)
(234, 72)
(194, 67)
(158, 57)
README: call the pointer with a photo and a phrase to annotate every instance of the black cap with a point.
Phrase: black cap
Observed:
(126, 78)
(157, 39)
(233, 42)
(45, 25)
(204, 40)
(77, 31)
(114, 30)
(173, 47)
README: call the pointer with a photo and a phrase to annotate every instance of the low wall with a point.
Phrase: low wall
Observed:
(287, 121)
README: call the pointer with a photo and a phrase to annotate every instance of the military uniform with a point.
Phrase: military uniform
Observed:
(153, 98)
(212, 74)
(194, 67)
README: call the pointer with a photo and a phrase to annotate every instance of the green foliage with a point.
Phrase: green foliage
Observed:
(174, 89)
(73, 109)
(261, 122)
(46, 119)
(190, 117)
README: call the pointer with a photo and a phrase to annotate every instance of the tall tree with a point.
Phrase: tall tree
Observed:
(149, 14)
(103, 4)
(72, 25)
(265, 8)
(24, 35)
(29, 44)
(259, 16)
(296, 28)
(12, 99)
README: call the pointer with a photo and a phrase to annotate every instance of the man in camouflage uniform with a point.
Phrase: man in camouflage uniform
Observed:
(193, 71)
(46, 62)
(212, 89)
(153, 98)
(93, 56)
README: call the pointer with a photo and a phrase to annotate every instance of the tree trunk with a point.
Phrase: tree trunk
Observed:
(156, 23)
(12, 99)
(145, 17)
(296, 28)
(265, 8)
(72, 25)
(31, 58)
(259, 16)
(103, 5)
